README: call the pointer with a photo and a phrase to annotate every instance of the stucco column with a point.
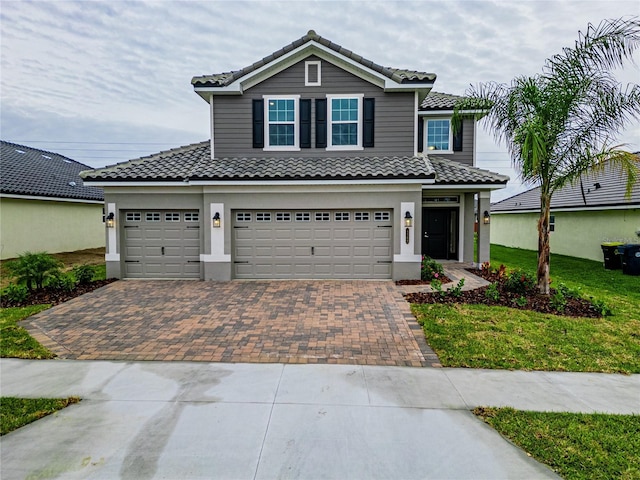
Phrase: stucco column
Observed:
(112, 255)
(484, 230)
(468, 236)
(217, 264)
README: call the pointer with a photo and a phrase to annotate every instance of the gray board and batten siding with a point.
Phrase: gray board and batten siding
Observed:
(395, 114)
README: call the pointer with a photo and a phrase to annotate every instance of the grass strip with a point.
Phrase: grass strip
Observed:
(479, 336)
(17, 412)
(15, 341)
(577, 446)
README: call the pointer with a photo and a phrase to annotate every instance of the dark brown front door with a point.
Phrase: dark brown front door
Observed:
(439, 233)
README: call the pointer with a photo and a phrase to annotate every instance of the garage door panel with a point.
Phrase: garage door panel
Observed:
(283, 234)
(168, 248)
(263, 234)
(322, 234)
(382, 234)
(283, 251)
(262, 251)
(342, 248)
(342, 251)
(302, 234)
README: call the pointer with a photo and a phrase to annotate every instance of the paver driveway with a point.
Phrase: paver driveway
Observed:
(350, 322)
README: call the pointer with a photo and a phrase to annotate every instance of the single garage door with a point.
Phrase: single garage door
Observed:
(312, 244)
(161, 244)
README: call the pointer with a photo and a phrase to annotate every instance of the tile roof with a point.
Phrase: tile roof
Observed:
(439, 101)
(32, 172)
(449, 172)
(396, 74)
(601, 189)
(193, 162)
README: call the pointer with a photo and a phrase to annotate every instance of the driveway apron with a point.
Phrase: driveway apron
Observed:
(345, 322)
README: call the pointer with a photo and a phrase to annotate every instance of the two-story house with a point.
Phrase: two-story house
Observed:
(321, 164)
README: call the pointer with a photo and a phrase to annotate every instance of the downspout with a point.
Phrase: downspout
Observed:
(212, 126)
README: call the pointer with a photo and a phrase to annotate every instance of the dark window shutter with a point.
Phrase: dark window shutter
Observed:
(321, 122)
(457, 138)
(305, 123)
(420, 134)
(368, 124)
(258, 124)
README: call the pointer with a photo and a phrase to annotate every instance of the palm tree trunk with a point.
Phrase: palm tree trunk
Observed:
(544, 250)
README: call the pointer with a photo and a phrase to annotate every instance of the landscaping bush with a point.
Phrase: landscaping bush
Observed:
(430, 269)
(63, 282)
(519, 281)
(14, 293)
(33, 269)
(84, 273)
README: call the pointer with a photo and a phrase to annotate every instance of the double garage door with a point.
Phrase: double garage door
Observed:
(161, 243)
(312, 243)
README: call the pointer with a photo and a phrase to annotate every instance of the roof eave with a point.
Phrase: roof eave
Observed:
(240, 84)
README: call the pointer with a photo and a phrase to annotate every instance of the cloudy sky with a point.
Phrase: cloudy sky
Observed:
(104, 82)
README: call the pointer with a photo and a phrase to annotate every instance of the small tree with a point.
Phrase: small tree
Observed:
(33, 269)
(563, 122)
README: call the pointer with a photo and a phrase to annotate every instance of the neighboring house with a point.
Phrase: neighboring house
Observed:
(583, 215)
(44, 205)
(321, 164)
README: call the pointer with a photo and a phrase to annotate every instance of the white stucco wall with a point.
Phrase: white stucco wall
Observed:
(577, 234)
(49, 226)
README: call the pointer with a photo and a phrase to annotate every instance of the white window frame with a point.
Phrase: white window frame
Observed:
(330, 122)
(310, 63)
(426, 135)
(296, 124)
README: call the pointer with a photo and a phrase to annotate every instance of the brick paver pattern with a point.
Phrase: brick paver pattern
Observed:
(348, 322)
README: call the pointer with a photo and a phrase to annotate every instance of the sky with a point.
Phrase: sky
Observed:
(105, 82)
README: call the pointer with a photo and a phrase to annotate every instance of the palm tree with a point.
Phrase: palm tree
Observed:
(562, 122)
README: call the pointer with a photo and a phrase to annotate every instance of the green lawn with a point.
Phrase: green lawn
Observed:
(14, 340)
(577, 446)
(499, 337)
(17, 412)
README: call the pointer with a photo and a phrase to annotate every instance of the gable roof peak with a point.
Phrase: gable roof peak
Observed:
(420, 80)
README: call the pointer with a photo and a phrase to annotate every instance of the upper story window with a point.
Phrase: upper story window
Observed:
(281, 124)
(439, 135)
(345, 120)
(312, 73)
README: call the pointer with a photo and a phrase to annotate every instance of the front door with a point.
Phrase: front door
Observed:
(439, 233)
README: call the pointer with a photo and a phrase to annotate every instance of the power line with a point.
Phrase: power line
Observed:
(95, 143)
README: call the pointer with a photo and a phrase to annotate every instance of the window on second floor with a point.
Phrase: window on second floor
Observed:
(281, 123)
(438, 135)
(345, 119)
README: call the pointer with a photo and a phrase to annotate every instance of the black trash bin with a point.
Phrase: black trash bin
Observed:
(631, 259)
(611, 256)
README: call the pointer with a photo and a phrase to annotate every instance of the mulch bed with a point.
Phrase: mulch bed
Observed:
(575, 307)
(55, 297)
(443, 278)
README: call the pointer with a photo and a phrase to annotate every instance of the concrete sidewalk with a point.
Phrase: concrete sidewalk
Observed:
(266, 421)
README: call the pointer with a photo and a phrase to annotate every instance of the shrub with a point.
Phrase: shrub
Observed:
(602, 308)
(33, 269)
(519, 281)
(492, 292)
(430, 269)
(457, 290)
(62, 282)
(15, 293)
(558, 302)
(521, 301)
(568, 292)
(84, 273)
(436, 286)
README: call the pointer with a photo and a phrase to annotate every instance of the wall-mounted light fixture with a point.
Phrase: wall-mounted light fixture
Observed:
(486, 218)
(111, 220)
(408, 219)
(216, 220)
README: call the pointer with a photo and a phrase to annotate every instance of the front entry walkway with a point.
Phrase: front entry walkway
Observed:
(345, 322)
